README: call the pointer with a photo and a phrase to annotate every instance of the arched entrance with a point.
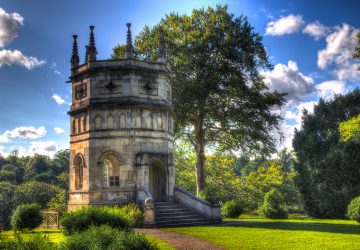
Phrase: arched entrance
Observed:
(157, 180)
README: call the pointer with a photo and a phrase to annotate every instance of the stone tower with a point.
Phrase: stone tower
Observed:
(121, 142)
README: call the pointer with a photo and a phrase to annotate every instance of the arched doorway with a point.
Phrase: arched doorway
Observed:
(157, 180)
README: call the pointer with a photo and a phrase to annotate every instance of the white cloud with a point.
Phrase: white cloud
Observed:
(288, 79)
(285, 25)
(58, 99)
(329, 88)
(10, 57)
(338, 54)
(43, 147)
(59, 130)
(23, 132)
(9, 26)
(316, 30)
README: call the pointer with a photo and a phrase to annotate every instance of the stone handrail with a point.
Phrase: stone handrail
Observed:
(197, 204)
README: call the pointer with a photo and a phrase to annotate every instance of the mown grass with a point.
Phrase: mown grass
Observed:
(297, 232)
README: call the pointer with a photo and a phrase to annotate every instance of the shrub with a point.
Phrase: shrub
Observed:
(35, 242)
(353, 210)
(134, 214)
(232, 209)
(105, 237)
(26, 216)
(273, 205)
(81, 219)
(6, 203)
(211, 194)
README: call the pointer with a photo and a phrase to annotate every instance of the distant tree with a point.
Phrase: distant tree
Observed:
(357, 49)
(219, 97)
(35, 192)
(350, 129)
(38, 164)
(61, 161)
(328, 168)
(7, 176)
(17, 170)
(6, 202)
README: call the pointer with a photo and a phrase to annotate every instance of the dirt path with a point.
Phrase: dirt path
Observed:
(180, 241)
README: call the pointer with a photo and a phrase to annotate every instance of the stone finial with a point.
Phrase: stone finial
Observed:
(161, 54)
(91, 53)
(75, 60)
(129, 46)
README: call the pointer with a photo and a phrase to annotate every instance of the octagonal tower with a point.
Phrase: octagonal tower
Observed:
(121, 141)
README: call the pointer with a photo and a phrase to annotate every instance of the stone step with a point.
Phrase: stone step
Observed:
(180, 213)
(168, 207)
(182, 224)
(177, 217)
(170, 210)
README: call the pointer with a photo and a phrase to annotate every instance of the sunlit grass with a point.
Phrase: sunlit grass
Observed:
(297, 232)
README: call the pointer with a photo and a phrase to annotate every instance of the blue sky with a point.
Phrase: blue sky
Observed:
(310, 43)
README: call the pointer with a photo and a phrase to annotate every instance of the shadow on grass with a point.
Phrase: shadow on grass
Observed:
(296, 226)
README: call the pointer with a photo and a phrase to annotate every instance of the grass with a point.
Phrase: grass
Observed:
(297, 232)
(162, 245)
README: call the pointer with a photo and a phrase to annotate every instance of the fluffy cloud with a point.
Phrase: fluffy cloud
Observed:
(58, 99)
(10, 57)
(23, 132)
(285, 25)
(329, 88)
(58, 130)
(43, 147)
(288, 79)
(316, 30)
(9, 26)
(338, 54)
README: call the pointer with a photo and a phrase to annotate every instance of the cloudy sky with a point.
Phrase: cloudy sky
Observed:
(310, 44)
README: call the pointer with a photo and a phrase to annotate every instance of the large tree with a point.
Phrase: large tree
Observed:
(328, 168)
(219, 97)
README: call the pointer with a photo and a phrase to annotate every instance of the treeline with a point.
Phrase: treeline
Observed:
(35, 179)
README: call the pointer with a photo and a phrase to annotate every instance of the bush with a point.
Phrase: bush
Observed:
(353, 210)
(232, 209)
(105, 237)
(133, 212)
(81, 219)
(273, 205)
(6, 203)
(26, 216)
(35, 242)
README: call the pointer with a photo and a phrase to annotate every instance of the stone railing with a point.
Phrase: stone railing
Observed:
(144, 196)
(197, 204)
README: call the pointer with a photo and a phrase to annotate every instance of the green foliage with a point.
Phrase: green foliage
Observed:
(350, 129)
(59, 202)
(353, 210)
(134, 213)
(82, 218)
(219, 97)
(21, 242)
(6, 202)
(27, 216)
(357, 49)
(35, 192)
(273, 206)
(105, 237)
(328, 168)
(232, 209)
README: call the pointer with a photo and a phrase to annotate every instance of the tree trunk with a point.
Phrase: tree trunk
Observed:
(200, 155)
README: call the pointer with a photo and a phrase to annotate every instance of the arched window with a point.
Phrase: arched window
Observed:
(110, 122)
(122, 121)
(149, 121)
(74, 126)
(110, 169)
(98, 122)
(160, 123)
(79, 165)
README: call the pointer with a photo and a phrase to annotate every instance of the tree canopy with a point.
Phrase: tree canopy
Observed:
(219, 97)
(328, 168)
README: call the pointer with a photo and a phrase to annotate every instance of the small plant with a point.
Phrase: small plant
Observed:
(81, 219)
(353, 210)
(105, 237)
(231, 209)
(26, 216)
(134, 213)
(273, 205)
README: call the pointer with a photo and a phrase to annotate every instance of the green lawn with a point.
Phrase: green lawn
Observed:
(297, 232)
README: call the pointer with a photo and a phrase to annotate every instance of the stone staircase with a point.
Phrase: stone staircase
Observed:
(173, 214)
